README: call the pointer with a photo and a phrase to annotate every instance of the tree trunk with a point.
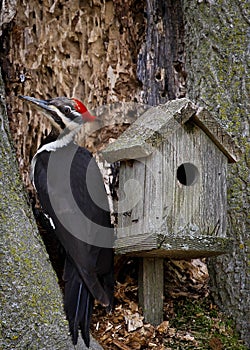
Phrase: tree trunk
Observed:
(75, 49)
(217, 62)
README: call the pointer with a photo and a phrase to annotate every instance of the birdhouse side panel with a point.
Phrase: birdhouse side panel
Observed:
(155, 175)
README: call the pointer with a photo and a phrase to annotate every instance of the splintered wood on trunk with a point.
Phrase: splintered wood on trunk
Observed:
(160, 65)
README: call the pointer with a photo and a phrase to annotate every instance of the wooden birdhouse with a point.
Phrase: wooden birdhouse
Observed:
(172, 184)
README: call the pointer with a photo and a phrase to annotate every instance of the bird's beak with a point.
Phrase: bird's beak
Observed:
(41, 104)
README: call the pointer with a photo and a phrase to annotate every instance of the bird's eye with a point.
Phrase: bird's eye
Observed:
(67, 110)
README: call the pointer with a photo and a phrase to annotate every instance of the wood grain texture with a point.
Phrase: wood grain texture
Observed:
(151, 289)
(218, 134)
(173, 246)
(153, 201)
(158, 123)
(147, 132)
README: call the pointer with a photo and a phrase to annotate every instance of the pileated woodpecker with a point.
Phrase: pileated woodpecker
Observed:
(71, 192)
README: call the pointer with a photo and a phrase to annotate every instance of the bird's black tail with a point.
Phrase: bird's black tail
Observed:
(78, 303)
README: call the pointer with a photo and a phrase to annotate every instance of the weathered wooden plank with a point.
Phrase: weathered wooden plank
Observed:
(151, 289)
(218, 134)
(158, 123)
(131, 198)
(169, 206)
(202, 205)
(148, 131)
(186, 246)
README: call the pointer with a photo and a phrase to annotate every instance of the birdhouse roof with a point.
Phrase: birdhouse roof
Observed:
(158, 123)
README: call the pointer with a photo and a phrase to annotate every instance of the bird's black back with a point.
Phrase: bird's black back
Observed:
(89, 250)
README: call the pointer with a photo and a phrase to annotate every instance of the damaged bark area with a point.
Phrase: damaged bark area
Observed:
(100, 51)
(161, 66)
(83, 49)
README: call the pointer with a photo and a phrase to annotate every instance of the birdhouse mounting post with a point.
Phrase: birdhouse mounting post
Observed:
(151, 289)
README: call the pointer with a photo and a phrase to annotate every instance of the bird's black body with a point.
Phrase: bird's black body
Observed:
(71, 192)
(88, 268)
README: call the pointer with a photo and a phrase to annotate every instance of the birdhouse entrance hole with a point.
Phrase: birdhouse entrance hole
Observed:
(187, 174)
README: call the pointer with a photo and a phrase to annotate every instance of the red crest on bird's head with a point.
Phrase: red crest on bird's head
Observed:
(81, 108)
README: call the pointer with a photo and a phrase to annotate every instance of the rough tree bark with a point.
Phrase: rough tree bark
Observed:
(160, 65)
(217, 62)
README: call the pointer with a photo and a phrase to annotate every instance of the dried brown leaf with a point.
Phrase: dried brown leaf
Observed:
(133, 320)
(163, 327)
(171, 332)
(120, 345)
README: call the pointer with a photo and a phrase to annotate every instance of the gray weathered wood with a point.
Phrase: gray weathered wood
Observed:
(148, 131)
(172, 192)
(218, 135)
(151, 289)
(173, 246)
(193, 216)
(158, 123)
